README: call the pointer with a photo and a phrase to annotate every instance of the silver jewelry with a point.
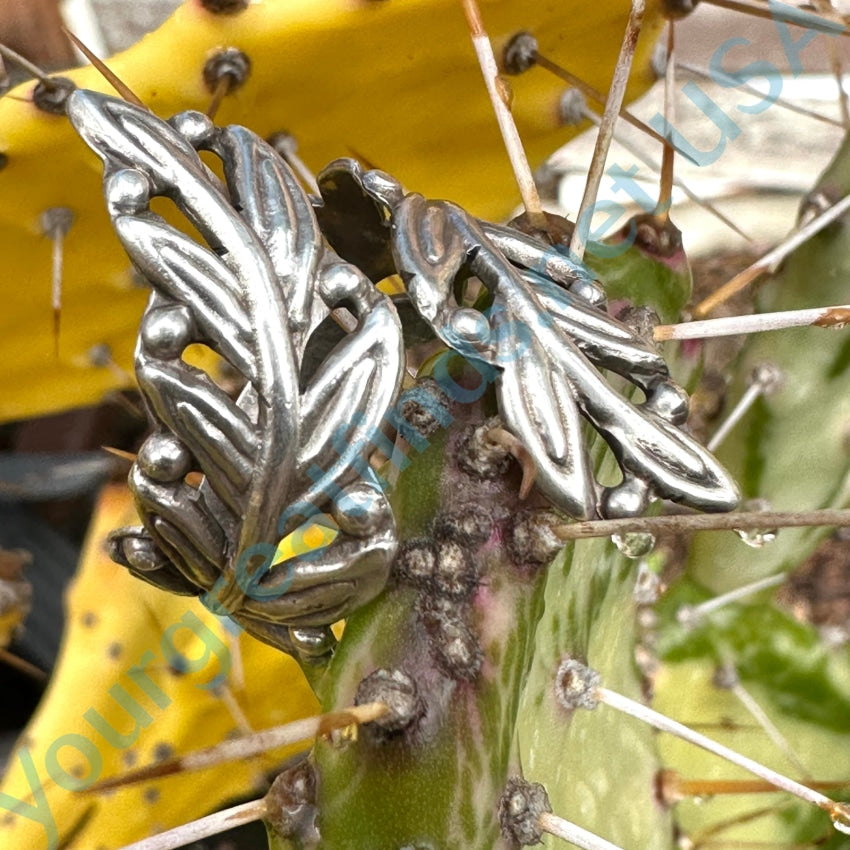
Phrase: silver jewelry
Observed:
(544, 336)
(292, 445)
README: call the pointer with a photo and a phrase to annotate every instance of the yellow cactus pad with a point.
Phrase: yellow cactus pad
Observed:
(395, 82)
(117, 624)
(306, 539)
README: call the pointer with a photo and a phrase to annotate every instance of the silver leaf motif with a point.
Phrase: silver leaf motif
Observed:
(254, 294)
(294, 442)
(546, 335)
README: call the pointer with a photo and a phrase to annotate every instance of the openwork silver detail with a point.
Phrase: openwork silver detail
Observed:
(291, 444)
(544, 337)
(277, 269)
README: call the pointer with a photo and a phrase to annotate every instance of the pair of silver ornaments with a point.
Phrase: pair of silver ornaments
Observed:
(277, 268)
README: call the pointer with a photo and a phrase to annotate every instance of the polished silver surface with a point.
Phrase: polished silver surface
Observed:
(546, 344)
(278, 453)
(547, 335)
(225, 475)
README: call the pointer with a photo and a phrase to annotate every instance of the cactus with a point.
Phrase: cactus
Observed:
(795, 677)
(481, 609)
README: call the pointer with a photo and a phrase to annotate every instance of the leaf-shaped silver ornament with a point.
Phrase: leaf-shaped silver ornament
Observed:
(546, 336)
(294, 442)
(279, 453)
